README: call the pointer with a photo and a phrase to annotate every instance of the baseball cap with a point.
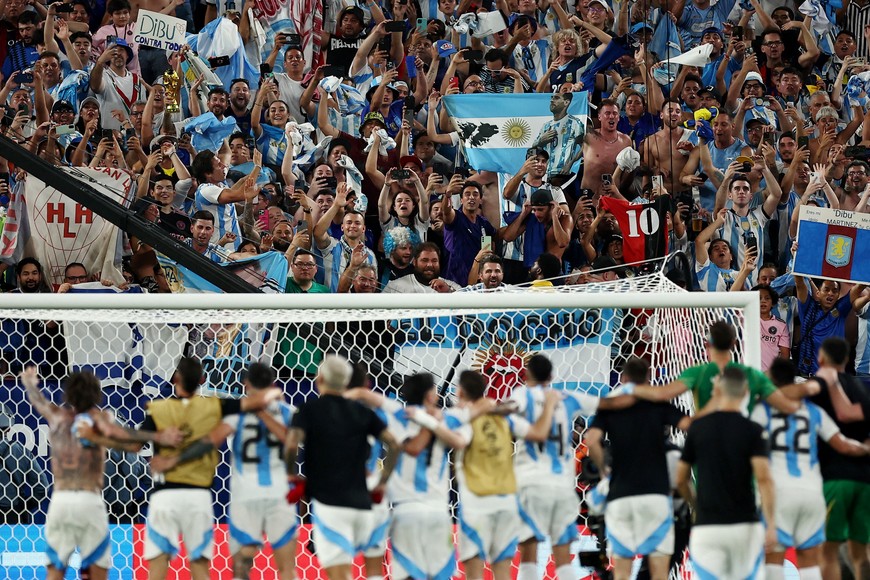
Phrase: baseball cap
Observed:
(373, 116)
(712, 30)
(541, 197)
(640, 26)
(123, 43)
(158, 139)
(603, 3)
(711, 90)
(754, 76)
(758, 119)
(411, 159)
(354, 10)
(89, 100)
(445, 48)
(62, 106)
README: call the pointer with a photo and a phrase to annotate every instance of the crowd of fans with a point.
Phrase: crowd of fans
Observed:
(376, 195)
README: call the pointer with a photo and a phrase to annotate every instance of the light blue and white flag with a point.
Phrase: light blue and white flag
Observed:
(268, 272)
(496, 130)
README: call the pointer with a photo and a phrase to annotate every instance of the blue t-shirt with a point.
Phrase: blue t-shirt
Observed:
(462, 240)
(816, 326)
(645, 126)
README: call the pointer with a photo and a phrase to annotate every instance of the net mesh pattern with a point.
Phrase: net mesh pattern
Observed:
(134, 352)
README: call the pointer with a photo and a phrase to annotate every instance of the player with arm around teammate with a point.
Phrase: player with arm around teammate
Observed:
(545, 471)
(489, 519)
(794, 464)
(720, 340)
(78, 434)
(421, 531)
(181, 504)
(335, 431)
(639, 514)
(258, 481)
(728, 452)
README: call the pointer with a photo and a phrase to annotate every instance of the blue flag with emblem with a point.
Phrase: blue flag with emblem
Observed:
(829, 244)
(495, 131)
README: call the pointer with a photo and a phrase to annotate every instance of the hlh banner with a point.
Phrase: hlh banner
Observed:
(51, 227)
(830, 244)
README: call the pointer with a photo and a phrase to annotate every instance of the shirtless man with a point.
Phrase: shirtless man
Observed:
(78, 435)
(601, 147)
(668, 149)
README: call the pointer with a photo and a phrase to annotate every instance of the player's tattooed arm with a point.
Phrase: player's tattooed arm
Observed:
(30, 380)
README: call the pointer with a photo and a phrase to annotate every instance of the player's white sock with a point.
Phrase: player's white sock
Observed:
(566, 572)
(528, 571)
(813, 573)
(774, 572)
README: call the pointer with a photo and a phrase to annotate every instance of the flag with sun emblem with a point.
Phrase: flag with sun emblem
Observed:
(496, 130)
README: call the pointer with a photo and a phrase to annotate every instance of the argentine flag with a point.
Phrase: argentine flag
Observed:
(496, 129)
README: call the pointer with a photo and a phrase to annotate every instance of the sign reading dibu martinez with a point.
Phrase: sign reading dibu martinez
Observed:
(159, 31)
(830, 243)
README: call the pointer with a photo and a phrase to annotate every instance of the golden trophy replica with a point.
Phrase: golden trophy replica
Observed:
(172, 84)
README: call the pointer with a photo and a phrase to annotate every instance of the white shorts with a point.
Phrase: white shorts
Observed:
(377, 543)
(727, 552)
(77, 519)
(639, 525)
(340, 533)
(186, 513)
(421, 539)
(489, 527)
(548, 512)
(800, 517)
(250, 520)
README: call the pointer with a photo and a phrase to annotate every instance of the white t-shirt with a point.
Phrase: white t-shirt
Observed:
(121, 93)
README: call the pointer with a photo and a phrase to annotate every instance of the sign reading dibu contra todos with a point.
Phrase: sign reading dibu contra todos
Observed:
(160, 31)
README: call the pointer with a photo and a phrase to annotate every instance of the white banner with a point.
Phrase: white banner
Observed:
(160, 31)
(64, 231)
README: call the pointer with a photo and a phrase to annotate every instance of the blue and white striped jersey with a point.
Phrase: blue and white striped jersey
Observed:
(551, 462)
(225, 217)
(794, 458)
(257, 469)
(426, 477)
(712, 278)
(736, 229)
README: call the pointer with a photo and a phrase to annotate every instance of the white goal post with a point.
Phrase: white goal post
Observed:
(133, 342)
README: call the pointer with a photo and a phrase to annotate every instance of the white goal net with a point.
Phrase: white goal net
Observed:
(134, 342)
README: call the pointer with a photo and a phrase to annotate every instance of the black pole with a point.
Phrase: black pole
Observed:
(120, 216)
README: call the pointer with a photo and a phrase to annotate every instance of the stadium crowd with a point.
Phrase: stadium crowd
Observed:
(340, 156)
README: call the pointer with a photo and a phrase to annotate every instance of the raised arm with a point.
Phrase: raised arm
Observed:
(701, 255)
(323, 122)
(30, 380)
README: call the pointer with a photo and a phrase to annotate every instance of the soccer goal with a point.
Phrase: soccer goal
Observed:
(133, 342)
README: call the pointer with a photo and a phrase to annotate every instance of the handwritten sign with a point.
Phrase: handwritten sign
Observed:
(159, 31)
